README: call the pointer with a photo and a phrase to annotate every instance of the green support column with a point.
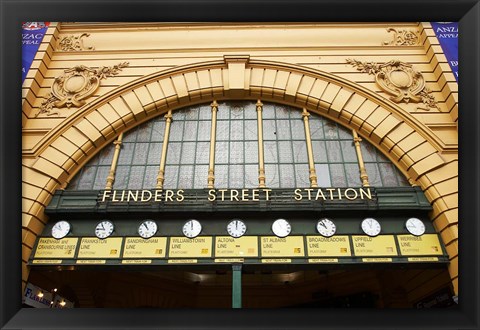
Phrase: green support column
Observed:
(237, 286)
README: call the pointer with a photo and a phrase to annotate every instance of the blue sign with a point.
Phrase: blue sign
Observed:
(32, 35)
(447, 35)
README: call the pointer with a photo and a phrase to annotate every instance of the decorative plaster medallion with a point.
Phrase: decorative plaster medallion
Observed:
(73, 43)
(75, 85)
(403, 38)
(400, 80)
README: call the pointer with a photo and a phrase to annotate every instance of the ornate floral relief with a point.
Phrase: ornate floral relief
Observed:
(403, 38)
(75, 85)
(73, 43)
(400, 80)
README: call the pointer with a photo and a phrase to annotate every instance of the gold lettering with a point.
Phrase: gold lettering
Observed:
(339, 194)
(331, 190)
(211, 195)
(244, 195)
(320, 193)
(169, 195)
(232, 195)
(132, 195)
(180, 196)
(367, 194)
(255, 194)
(355, 196)
(223, 193)
(298, 194)
(106, 194)
(267, 193)
(146, 192)
(158, 195)
(123, 195)
(309, 191)
(114, 196)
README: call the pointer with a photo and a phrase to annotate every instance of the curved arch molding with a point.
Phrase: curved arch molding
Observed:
(408, 143)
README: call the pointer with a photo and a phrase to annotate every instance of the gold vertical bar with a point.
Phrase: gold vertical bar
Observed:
(261, 163)
(113, 167)
(161, 171)
(361, 164)
(213, 135)
(308, 140)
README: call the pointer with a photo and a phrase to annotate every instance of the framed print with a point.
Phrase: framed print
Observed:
(228, 164)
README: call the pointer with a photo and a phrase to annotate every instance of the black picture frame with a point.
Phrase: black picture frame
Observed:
(467, 12)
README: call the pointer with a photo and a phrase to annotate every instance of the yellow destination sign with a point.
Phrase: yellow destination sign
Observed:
(47, 261)
(377, 259)
(135, 247)
(336, 246)
(92, 247)
(56, 248)
(323, 260)
(246, 246)
(182, 247)
(422, 259)
(427, 244)
(276, 261)
(136, 261)
(383, 245)
(230, 260)
(291, 246)
(92, 262)
(182, 261)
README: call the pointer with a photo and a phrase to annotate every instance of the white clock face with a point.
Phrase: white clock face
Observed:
(147, 229)
(371, 227)
(61, 229)
(104, 229)
(415, 226)
(236, 228)
(192, 228)
(326, 227)
(281, 228)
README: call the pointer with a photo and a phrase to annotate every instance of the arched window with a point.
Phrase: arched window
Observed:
(287, 163)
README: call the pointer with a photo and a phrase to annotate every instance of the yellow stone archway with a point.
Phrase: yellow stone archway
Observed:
(393, 131)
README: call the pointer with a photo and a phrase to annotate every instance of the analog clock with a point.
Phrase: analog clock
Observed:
(147, 229)
(192, 228)
(61, 229)
(371, 227)
(281, 228)
(236, 228)
(104, 229)
(326, 227)
(415, 226)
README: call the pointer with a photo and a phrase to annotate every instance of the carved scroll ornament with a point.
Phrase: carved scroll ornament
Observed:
(73, 43)
(403, 38)
(400, 80)
(75, 85)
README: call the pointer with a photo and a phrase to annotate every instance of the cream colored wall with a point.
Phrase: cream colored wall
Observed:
(423, 144)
